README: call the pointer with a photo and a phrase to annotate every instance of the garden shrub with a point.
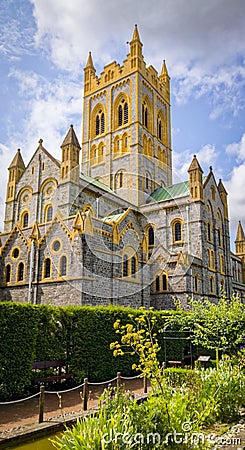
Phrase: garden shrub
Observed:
(79, 335)
(18, 332)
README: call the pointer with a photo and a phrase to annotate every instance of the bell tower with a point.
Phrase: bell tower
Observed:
(16, 169)
(126, 136)
(195, 180)
(69, 174)
(240, 247)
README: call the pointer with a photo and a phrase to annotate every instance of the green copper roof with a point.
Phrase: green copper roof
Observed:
(113, 218)
(169, 192)
(95, 183)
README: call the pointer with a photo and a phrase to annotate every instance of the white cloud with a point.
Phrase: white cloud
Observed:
(201, 41)
(224, 87)
(237, 149)
(50, 108)
(206, 156)
(47, 111)
(235, 185)
(16, 36)
(183, 30)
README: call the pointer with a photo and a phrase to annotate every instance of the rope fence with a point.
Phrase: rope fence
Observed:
(21, 400)
(84, 393)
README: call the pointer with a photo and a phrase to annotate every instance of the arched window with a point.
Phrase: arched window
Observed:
(102, 123)
(145, 115)
(101, 151)
(120, 182)
(125, 266)
(196, 283)
(93, 155)
(159, 128)
(119, 179)
(157, 283)
(8, 273)
(151, 238)
(211, 261)
(117, 144)
(125, 113)
(49, 213)
(133, 266)
(144, 145)
(125, 143)
(222, 266)
(161, 282)
(47, 268)
(211, 285)
(99, 123)
(25, 220)
(209, 231)
(150, 147)
(164, 282)
(20, 272)
(120, 114)
(162, 156)
(219, 238)
(63, 266)
(146, 181)
(177, 231)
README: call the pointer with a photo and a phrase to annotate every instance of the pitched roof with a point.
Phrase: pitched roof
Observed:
(17, 161)
(95, 183)
(221, 187)
(240, 233)
(169, 192)
(71, 138)
(90, 63)
(195, 165)
(136, 36)
(164, 71)
(113, 218)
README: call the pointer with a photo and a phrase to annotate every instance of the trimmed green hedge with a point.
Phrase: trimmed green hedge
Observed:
(80, 335)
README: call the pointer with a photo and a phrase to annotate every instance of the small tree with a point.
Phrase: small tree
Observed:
(138, 338)
(216, 326)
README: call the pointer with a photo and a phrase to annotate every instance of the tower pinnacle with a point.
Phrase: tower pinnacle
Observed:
(90, 64)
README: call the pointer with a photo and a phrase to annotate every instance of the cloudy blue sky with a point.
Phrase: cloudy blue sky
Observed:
(44, 46)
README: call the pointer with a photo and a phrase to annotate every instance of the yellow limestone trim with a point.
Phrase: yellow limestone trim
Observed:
(16, 229)
(115, 233)
(183, 259)
(57, 219)
(83, 223)
(120, 219)
(35, 232)
(144, 244)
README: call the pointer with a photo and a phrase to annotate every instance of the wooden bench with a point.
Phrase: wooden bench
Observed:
(175, 363)
(60, 371)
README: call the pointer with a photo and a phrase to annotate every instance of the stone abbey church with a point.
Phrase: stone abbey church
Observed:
(106, 225)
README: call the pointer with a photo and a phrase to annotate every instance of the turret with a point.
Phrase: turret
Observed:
(69, 169)
(136, 49)
(89, 72)
(164, 77)
(16, 169)
(223, 196)
(240, 247)
(195, 180)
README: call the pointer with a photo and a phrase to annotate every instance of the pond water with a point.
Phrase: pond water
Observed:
(39, 444)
